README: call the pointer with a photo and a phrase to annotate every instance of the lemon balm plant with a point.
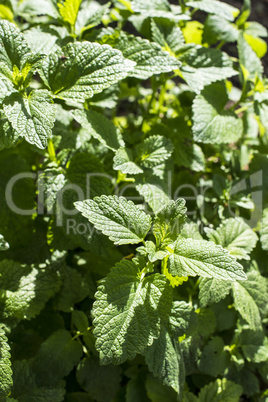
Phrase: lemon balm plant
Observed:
(134, 199)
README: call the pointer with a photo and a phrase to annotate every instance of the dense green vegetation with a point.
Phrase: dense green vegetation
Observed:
(134, 202)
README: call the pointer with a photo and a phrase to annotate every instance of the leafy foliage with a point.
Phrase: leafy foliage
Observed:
(134, 202)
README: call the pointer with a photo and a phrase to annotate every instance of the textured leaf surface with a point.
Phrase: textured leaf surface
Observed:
(154, 150)
(220, 391)
(150, 59)
(206, 259)
(251, 299)
(215, 7)
(123, 160)
(205, 66)
(154, 195)
(27, 289)
(14, 49)
(128, 312)
(100, 128)
(236, 236)
(213, 290)
(167, 34)
(117, 218)
(42, 41)
(164, 359)
(169, 221)
(5, 365)
(182, 319)
(32, 117)
(212, 123)
(86, 69)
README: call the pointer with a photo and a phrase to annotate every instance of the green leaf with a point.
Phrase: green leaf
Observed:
(80, 320)
(186, 152)
(26, 389)
(123, 161)
(236, 236)
(90, 15)
(164, 360)
(121, 220)
(220, 391)
(215, 7)
(206, 322)
(101, 382)
(43, 41)
(217, 29)
(264, 230)
(183, 319)
(31, 8)
(245, 378)
(254, 345)
(5, 365)
(251, 299)
(32, 117)
(204, 66)
(6, 13)
(135, 390)
(14, 50)
(74, 289)
(158, 392)
(100, 128)
(213, 290)
(212, 123)
(258, 45)
(69, 10)
(167, 34)
(140, 5)
(248, 58)
(149, 58)
(154, 150)
(169, 221)
(154, 189)
(191, 229)
(164, 357)
(80, 70)
(3, 244)
(26, 289)
(206, 259)
(51, 181)
(56, 358)
(214, 360)
(128, 312)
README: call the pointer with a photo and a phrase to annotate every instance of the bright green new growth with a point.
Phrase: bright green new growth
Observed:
(69, 10)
